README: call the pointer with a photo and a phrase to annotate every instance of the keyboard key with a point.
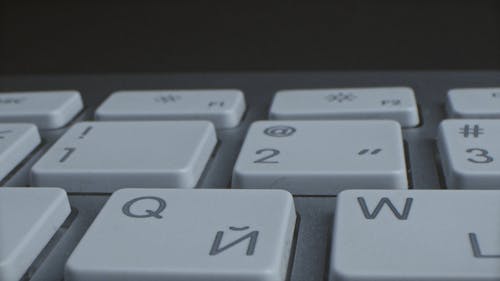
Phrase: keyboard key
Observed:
(427, 235)
(47, 110)
(224, 108)
(17, 141)
(395, 103)
(474, 103)
(29, 217)
(105, 156)
(321, 157)
(470, 153)
(196, 235)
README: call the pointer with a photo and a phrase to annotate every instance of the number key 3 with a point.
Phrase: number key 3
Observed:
(468, 148)
(481, 156)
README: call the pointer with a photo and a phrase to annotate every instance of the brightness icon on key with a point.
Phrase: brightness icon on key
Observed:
(340, 97)
(167, 99)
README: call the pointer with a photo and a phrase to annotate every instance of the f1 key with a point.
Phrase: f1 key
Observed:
(223, 107)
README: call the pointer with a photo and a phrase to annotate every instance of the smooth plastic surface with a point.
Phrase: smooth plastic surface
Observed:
(470, 153)
(417, 235)
(322, 157)
(46, 109)
(179, 235)
(222, 107)
(105, 156)
(17, 141)
(28, 219)
(473, 103)
(394, 103)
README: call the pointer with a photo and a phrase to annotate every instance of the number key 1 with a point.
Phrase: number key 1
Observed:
(469, 152)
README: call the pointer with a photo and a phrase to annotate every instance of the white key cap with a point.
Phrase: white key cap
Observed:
(17, 141)
(321, 157)
(474, 103)
(223, 107)
(29, 217)
(105, 156)
(470, 153)
(47, 110)
(424, 235)
(195, 235)
(396, 103)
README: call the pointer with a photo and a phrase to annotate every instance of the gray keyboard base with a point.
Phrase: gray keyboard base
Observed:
(310, 260)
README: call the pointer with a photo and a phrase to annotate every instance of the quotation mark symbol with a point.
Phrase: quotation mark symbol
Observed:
(366, 150)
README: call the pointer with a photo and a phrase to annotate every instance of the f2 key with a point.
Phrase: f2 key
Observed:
(394, 103)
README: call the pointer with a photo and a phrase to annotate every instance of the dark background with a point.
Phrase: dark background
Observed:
(183, 36)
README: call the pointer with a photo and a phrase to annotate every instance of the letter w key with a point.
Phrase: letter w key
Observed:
(416, 235)
(400, 215)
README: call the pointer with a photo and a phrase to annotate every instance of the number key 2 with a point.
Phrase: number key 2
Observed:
(322, 157)
(469, 152)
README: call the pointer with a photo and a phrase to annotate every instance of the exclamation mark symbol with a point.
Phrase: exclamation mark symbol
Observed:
(4, 132)
(85, 132)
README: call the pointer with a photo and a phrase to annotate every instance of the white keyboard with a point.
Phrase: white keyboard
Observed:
(265, 177)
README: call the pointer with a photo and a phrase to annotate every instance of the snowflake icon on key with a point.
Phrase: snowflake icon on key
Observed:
(340, 97)
(167, 99)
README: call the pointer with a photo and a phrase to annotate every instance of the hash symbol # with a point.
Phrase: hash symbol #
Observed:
(475, 131)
